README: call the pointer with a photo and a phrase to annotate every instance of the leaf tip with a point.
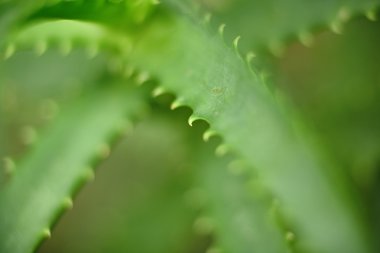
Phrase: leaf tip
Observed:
(177, 103)
(46, 233)
(68, 203)
(371, 15)
(306, 38)
(208, 134)
(194, 118)
(9, 51)
(203, 225)
(221, 29)
(221, 150)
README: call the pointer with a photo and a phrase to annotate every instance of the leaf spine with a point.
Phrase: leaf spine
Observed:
(236, 42)
(176, 104)
(207, 18)
(194, 118)
(68, 203)
(221, 29)
(208, 134)
(306, 38)
(65, 47)
(276, 48)
(104, 150)
(290, 236)
(89, 174)
(371, 15)
(158, 91)
(28, 135)
(336, 27)
(46, 233)
(40, 47)
(221, 150)
(249, 57)
(9, 165)
(344, 14)
(9, 51)
(142, 77)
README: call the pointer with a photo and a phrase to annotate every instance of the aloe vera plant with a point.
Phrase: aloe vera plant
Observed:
(283, 154)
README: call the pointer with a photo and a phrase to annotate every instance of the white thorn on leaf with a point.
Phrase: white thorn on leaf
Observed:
(92, 50)
(89, 174)
(68, 203)
(104, 150)
(9, 51)
(221, 29)
(236, 42)
(221, 150)
(371, 15)
(65, 47)
(208, 134)
(40, 47)
(344, 14)
(194, 118)
(290, 236)
(277, 48)
(306, 39)
(177, 103)
(336, 27)
(46, 233)
(249, 57)
(207, 18)
(9, 165)
(28, 135)
(158, 91)
(142, 77)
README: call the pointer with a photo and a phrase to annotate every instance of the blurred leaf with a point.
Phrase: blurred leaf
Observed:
(240, 211)
(336, 85)
(41, 187)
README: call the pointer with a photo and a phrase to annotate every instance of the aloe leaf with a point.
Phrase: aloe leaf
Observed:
(141, 190)
(116, 13)
(242, 220)
(216, 83)
(340, 93)
(12, 13)
(42, 185)
(269, 24)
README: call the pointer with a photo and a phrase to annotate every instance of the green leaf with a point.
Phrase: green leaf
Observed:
(12, 13)
(42, 186)
(238, 210)
(120, 14)
(138, 196)
(268, 24)
(216, 83)
(340, 93)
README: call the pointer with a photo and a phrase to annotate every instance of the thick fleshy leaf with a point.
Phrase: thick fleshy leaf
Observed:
(42, 186)
(218, 86)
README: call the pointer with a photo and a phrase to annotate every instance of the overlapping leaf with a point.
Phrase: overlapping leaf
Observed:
(41, 187)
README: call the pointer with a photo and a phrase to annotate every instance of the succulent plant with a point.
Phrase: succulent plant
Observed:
(283, 98)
